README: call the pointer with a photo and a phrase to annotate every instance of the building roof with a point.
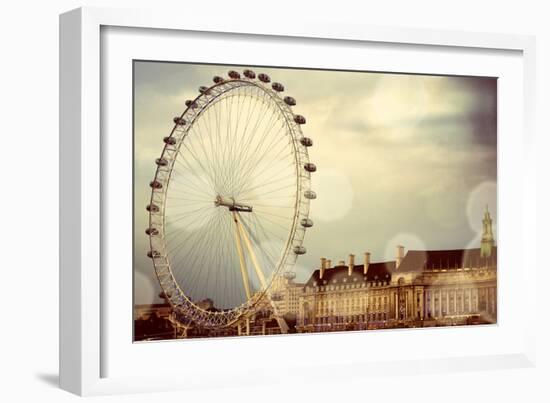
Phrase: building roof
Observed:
(339, 274)
(414, 261)
(420, 260)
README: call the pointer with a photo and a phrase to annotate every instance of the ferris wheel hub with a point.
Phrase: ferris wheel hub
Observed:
(231, 204)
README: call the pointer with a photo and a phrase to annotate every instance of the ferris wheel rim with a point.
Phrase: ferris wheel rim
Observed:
(171, 287)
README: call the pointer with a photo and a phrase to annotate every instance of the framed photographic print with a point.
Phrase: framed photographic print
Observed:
(234, 197)
(230, 194)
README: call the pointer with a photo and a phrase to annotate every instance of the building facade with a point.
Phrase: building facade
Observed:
(420, 288)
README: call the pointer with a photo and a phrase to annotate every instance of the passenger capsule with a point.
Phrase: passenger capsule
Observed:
(310, 194)
(300, 250)
(170, 140)
(152, 208)
(310, 167)
(289, 275)
(306, 141)
(306, 222)
(153, 254)
(217, 79)
(299, 119)
(161, 162)
(234, 74)
(155, 184)
(152, 231)
(290, 101)
(190, 104)
(179, 121)
(203, 89)
(278, 87)
(264, 78)
(249, 74)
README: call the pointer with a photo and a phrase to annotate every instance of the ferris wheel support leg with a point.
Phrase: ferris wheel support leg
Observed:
(257, 268)
(242, 262)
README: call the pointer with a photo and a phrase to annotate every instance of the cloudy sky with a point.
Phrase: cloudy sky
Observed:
(402, 159)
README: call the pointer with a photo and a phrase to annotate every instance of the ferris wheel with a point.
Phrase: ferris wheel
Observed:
(230, 199)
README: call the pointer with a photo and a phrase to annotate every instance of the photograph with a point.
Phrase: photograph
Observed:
(270, 200)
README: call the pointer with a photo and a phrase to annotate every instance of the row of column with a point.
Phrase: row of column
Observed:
(435, 303)
(414, 303)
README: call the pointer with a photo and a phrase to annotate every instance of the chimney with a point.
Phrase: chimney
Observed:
(399, 254)
(341, 263)
(323, 267)
(329, 264)
(351, 264)
(367, 263)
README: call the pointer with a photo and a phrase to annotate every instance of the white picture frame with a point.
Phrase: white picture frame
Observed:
(85, 344)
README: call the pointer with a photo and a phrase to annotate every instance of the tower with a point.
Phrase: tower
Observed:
(487, 240)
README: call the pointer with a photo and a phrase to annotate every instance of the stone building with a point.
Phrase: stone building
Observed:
(286, 294)
(417, 289)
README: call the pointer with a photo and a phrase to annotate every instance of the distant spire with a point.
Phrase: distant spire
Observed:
(487, 240)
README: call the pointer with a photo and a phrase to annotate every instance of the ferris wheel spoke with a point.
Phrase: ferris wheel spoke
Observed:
(229, 250)
(247, 146)
(218, 154)
(260, 211)
(274, 179)
(230, 118)
(263, 198)
(191, 189)
(254, 162)
(181, 243)
(276, 155)
(187, 200)
(222, 258)
(251, 151)
(245, 135)
(181, 262)
(205, 162)
(258, 229)
(267, 235)
(211, 260)
(189, 192)
(279, 189)
(197, 160)
(246, 140)
(202, 133)
(194, 212)
(194, 246)
(271, 221)
(274, 121)
(237, 134)
(261, 158)
(213, 154)
(207, 146)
